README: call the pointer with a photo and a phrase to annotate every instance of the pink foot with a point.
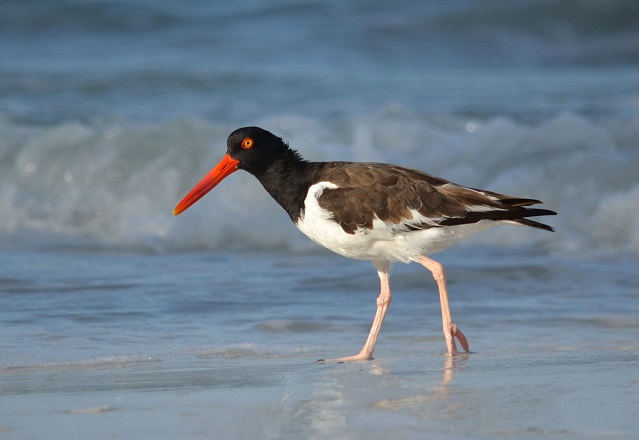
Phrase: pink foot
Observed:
(450, 334)
(361, 357)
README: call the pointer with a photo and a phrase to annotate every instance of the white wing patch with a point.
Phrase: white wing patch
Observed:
(483, 208)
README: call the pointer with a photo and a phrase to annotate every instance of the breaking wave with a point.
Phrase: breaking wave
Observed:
(114, 184)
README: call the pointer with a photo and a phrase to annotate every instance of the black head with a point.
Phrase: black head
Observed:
(251, 149)
(255, 149)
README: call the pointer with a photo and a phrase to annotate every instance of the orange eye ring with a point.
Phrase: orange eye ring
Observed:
(248, 143)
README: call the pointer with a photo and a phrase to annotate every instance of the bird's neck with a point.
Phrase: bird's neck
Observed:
(287, 180)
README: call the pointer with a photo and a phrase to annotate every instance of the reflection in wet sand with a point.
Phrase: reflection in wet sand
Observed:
(440, 394)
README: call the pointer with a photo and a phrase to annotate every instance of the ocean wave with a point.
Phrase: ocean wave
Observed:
(35, 17)
(523, 32)
(113, 184)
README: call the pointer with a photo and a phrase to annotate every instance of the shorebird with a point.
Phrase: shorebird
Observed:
(370, 211)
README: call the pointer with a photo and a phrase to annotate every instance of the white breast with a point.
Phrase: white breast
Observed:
(381, 243)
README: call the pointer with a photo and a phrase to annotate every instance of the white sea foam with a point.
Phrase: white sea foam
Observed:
(115, 184)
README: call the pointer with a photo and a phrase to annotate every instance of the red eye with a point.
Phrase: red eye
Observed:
(247, 143)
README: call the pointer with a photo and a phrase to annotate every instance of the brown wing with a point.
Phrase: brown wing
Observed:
(369, 190)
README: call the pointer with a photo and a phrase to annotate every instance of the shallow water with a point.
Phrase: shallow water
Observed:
(118, 320)
(199, 344)
(490, 395)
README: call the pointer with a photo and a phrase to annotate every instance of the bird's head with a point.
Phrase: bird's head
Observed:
(250, 148)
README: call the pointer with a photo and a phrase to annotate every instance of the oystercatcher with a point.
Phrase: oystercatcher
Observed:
(369, 211)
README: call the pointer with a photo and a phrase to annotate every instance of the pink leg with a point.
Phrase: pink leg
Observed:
(450, 328)
(383, 301)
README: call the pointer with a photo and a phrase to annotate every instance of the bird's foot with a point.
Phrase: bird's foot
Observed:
(450, 333)
(360, 357)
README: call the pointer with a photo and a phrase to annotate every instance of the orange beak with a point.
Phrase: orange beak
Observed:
(226, 167)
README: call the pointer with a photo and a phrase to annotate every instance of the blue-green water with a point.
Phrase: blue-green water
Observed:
(119, 320)
(224, 344)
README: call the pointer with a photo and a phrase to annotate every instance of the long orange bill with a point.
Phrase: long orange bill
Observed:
(227, 166)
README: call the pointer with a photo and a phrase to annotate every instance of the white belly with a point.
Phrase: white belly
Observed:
(381, 243)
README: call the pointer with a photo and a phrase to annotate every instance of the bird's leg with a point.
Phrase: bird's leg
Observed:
(383, 301)
(450, 328)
